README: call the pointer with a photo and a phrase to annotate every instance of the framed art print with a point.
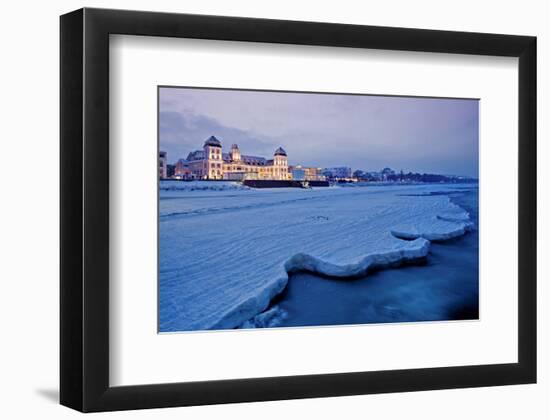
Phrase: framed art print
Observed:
(257, 209)
(328, 252)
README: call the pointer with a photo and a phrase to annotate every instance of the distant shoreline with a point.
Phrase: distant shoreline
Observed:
(385, 183)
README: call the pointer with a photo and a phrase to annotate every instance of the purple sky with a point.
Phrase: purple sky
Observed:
(364, 132)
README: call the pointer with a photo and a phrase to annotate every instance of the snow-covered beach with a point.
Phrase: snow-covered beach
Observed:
(226, 251)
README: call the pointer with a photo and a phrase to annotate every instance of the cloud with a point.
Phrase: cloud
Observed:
(182, 133)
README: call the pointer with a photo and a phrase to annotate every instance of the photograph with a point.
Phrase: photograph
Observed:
(308, 209)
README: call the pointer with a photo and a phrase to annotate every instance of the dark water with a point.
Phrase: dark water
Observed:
(445, 287)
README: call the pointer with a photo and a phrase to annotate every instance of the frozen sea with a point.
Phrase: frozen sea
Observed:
(234, 257)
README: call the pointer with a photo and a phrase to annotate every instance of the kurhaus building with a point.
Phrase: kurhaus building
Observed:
(212, 163)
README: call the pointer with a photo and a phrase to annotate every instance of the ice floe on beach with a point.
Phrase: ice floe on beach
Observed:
(410, 252)
(269, 318)
(226, 253)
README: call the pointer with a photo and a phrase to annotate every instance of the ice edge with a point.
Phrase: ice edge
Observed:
(248, 309)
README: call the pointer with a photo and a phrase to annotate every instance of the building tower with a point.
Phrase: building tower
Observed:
(213, 161)
(162, 165)
(235, 153)
(280, 164)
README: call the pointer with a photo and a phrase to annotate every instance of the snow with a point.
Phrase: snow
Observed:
(200, 186)
(226, 251)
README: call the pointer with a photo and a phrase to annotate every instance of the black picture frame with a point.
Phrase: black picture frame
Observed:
(84, 283)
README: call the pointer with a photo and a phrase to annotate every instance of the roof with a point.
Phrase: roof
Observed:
(196, 155)
(212, 141)
(280, 151)
(255, 160)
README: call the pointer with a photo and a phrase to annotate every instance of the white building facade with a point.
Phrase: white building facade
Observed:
(212, 163)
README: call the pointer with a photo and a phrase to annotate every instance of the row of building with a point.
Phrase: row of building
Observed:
(212, 163)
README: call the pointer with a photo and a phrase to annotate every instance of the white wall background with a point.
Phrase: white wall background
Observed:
(29, 268)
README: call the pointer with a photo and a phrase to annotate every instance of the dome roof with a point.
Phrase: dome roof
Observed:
(212, 141)
(280, 151)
